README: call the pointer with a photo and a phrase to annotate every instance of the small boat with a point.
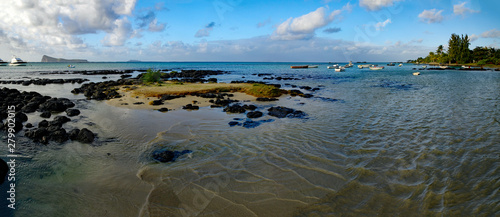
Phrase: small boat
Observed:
(376, 67)
(3, 63)
(16, 61)
(340, 69)
(299, 67)
(444, 67)
(401, 64)
(349, 65)
(364, 66)
(313, 66)
(71, 66)
(424, 67)
(332, 66)
(416, 73)
(391, 64)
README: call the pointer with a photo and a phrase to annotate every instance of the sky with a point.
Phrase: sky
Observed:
(241, 30)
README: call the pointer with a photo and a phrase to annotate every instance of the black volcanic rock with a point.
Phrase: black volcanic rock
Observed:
(283, 112)
(85, 136)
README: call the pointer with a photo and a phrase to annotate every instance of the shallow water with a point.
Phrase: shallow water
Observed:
(390, 144)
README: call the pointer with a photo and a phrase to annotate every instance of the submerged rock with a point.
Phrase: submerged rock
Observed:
(72, 112)
(85, 136)
(190, 107)
(234, 109)
(164, 155)
(283, 112)
(254, 114)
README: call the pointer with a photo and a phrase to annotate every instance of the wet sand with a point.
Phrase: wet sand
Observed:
(140, 95)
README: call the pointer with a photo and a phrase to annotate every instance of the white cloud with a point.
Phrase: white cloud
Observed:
(380, 25)
(119, 34)
(205, 32)
(303, 27)
(494, 33)
(374, 5)
(44, 24)
(460, 9)
(431, 16)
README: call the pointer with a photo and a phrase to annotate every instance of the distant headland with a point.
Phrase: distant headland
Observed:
(48, 59)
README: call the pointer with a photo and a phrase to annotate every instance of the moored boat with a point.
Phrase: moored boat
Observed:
(312, 66)
(401, 64)
(376, 67)
(364, 66)
(299, 67)
(16, 61)
(391, 64)
(416, 73)
(340, 69)
(3, 63)
(333, 66)
(71, 66)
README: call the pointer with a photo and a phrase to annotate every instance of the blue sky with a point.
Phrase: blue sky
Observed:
(242, 30)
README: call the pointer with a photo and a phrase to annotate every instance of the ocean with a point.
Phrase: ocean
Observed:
(384, 143)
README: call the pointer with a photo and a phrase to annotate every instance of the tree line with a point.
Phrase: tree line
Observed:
(458, 52)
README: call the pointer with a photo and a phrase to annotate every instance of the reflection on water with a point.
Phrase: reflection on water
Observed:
(432, 149)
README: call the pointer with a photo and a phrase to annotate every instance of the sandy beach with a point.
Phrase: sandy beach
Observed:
(140, 97)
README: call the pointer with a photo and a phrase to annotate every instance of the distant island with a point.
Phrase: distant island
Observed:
(48, 59)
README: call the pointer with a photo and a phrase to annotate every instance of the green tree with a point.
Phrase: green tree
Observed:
(440, 50)
(479, 53)
(453, 48)
(464, 54)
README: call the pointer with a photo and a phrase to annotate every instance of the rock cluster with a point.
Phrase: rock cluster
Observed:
(29, 102)
(165, 155)
(44, 81)
(103, 90)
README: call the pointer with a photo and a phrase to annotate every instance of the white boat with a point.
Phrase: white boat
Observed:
(3, 63)
(349, 65)
(444, 67)
(340, 69)
(424, 67)
(332, 66)
(401, 64)
(376, 67)
(416, 73)
(364, 66)
(16, 61)
(313, 66)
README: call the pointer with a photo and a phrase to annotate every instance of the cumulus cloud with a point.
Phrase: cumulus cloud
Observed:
(205, 32)
(42, 24)
(374, 5)
(380, 25)
(119, 34)
(332, 30)
(431, 16)
(303, 27)
(460, 9)
(494, 33)
(149, 22)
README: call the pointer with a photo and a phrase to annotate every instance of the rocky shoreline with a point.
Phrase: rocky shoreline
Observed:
(47, 131)
(30, 102)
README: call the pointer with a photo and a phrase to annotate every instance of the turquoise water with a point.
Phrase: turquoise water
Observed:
(390, 144)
